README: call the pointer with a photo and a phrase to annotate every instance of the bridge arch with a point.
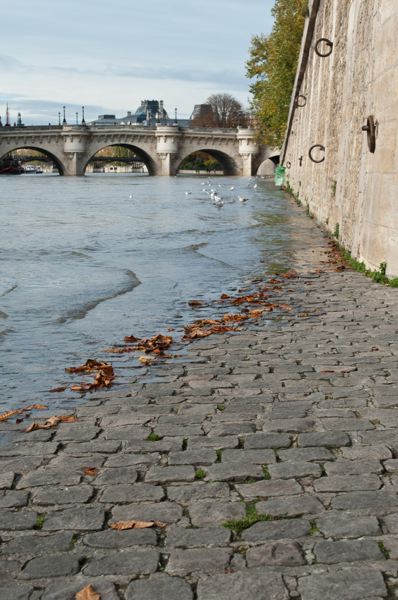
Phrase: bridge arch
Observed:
(57, 160)
(227, 162)
(142, 154)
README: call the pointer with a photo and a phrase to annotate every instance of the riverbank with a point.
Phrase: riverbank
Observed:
(267, 455)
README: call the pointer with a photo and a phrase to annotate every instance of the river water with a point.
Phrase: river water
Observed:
(86, 261)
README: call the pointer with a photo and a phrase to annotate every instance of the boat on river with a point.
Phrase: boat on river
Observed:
(11, 166)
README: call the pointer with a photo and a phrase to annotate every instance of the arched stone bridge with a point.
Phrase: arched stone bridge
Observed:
(161, 148)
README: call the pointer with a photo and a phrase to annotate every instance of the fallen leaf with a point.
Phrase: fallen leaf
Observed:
(122, 525)
(10, 413)
(130, 339)
(57, 390)
(51, 422)
(103, 378)
(285, 307)
(19, 411)
(87, 593)
(256, 314)
(234, 318)
(91, 471)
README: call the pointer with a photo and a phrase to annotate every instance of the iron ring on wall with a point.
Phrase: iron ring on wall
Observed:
(322, 149)
(288, 164)
(303, 103)
(328, 43)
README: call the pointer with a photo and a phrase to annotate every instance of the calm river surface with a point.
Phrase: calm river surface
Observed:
(86, 261)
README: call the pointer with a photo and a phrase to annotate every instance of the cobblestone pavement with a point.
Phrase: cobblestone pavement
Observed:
(285, 432)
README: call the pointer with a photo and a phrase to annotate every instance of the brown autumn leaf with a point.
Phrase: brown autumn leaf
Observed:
(256, 314)
(57, 390)
(224, 297)
(234, 318)
(87, 593)
(91, 471)
(51, 422)
(122, 525)
(91, 365)
(19, 411)
(131, 339)
(291, 274)
(286, 307)
(156, 345)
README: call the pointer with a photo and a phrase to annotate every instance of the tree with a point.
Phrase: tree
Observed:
(272, 65)
(227, 111)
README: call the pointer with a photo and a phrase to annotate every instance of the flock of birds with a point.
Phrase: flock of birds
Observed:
(215, 194)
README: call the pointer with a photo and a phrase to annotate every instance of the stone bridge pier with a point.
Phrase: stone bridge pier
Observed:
(161, 148)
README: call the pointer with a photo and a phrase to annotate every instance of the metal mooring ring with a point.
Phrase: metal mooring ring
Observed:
(328, 43)
(303, 102)
(288, 164)
(322, 149)
(371, 129)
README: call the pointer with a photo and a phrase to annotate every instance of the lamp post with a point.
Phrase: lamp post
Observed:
(83, 120)
(77, 118)
(59, 119)
(64, 121)
(175, 116)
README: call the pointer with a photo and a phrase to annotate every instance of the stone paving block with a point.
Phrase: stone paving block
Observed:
(20, 465)
(205, 441)
(193, 457)
(353, 467)
(266, 489)
(305, 454)
(379, 502)
(293, 506)
(141, 561)
(257, 457)
(390, 522)
(186, 493)
(268, 440)
(328, 439)
(275, 530)
(168, 512)
(125, 460)
(340, 525)
(35, 543)
(51, 494)
(234, 471)
(159, 474)
(286, 470)
(68, 464)
(347, 551)
(13, 499)
(6, 479)
(287, 554)
(116, 475)
(30, 449)
(98, 445)
(132, 493)
(9, 569)
(15, 591)
(113, 539)
(250, 584)
(164, 445)
(364, 452)
(184, 561)
(66, 589)
(159, 587)
(289, 425)
(182, 537)
(352, 483)
(13, 520)
(47, 477)
(207, 513)
(354, 583)
(85, 519)
(76, 432)
(53, 565)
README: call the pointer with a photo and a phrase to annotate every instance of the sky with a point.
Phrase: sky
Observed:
(108, 56)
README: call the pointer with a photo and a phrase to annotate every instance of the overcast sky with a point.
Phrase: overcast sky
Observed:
(111, 55)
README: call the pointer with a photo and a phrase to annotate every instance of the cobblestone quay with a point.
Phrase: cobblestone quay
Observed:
(272, 460)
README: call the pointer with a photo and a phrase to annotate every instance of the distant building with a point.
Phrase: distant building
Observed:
(149, 113)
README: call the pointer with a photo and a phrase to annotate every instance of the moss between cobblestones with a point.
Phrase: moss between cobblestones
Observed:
(200, 474)
(313, 528)
(384, 550)
(39, 522)
(251, 518)
(153, 437)
(266, 472)
(219, 455)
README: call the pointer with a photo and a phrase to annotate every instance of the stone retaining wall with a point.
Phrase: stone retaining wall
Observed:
(353, 192)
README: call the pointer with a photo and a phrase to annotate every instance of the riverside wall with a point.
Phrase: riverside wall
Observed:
(353, 192)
